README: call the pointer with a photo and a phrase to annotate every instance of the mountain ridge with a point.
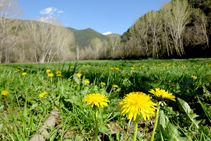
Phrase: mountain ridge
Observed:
(83, 37)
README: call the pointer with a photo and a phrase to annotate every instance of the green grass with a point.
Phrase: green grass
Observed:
(23, 111)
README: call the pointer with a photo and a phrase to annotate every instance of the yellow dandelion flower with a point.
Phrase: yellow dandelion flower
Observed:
(111, 68)
(50, 74)
(117, 68)
(162, 94)
(43, 94)
(58, 72)
(15, 71)
(137, 103)
(24, 73)
(96, 100)
(79, 75)
(4, 92)
(86, 81)
(48, 71)
(69, 80)
(194, 77)
(102, 83)
(115, 86)
(59, 75)
(132, 68)
(103, 69)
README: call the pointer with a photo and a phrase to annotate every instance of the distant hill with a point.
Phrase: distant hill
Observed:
(84, 36)
(113, 34)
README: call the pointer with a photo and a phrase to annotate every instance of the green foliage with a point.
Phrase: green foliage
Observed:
(186, 108)
(83, 37)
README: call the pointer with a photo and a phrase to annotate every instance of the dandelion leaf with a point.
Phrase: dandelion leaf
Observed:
(78, 138)
(205, 110)
(75, 77)
(126, 82)
(166, 130)
(186, 108)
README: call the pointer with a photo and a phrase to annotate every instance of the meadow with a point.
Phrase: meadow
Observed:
(30, 92)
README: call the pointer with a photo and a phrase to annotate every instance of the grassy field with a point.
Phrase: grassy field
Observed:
(29, 92)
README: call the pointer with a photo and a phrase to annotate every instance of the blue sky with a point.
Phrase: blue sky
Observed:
(114, 16)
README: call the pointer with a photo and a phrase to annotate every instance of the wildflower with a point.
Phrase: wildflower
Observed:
(58, 72)
(4, 92)
(86, 81)
(171, 84)
(15, 71)
(194, 77)
(115, 86)
(162, 94)
(59, 75)
(79, 75)
(103, 69)
(132, 68)
(111, 68)
(43, 94)
(48, 71)
(137, 103)
(69, 80)
(50, 74)
(102, 83)
(117, 68)
(24, 73)
(96, 100)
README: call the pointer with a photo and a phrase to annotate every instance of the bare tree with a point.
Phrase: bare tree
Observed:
(9, 12)
(177, 15)
(47, 39)
(97, 44)
(62, 42)
(202, 20)
(154, 22)
(105, 49)
(114, 40)
(139, 35)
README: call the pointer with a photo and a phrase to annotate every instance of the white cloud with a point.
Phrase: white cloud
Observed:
(60, 11)
(49, 11)
(107, 33)
(44, 19)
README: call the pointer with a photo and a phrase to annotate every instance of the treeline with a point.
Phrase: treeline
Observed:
(45, 39)
(180, 29)
(36, 40)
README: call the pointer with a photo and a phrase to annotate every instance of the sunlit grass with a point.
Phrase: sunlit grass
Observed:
(32, 91)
